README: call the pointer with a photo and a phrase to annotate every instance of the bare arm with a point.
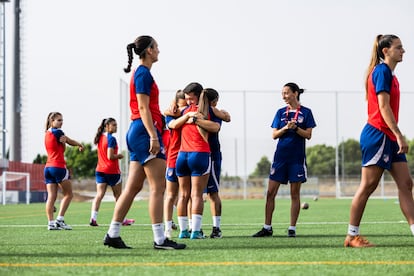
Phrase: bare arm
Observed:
(222, 114)
(207, 125)
(69, 141)
(112, 156)
(388, 116)
(177, 123)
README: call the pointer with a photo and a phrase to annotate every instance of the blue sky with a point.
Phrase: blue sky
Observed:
(74, 52)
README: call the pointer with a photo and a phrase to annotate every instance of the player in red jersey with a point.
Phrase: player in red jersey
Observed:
(382, 143)
(107, 170)
(56, 173)
(147, 154)
(171, 196)
(194, 161)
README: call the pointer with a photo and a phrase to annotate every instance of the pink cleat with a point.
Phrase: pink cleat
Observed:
(128, 222)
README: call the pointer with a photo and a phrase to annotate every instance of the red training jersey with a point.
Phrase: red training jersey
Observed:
(105, 165)
(55, 149)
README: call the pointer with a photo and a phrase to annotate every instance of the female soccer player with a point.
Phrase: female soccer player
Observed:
(382, 143)
(147, 156)
(107, 170)
(56, 173)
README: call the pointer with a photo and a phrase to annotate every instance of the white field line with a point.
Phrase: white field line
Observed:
(223, 225)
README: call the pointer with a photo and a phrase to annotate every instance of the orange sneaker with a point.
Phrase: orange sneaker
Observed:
(356, 241)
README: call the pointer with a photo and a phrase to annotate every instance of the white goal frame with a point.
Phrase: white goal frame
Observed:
(4, 184)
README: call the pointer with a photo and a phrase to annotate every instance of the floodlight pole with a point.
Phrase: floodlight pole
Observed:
(3, 76)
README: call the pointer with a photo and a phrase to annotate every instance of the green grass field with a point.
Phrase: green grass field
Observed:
(27, 248)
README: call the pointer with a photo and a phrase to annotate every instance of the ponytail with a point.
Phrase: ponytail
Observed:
(101, 129)
(140, 45)
(377, 55)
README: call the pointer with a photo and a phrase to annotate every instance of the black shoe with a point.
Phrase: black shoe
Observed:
(263, 233)
(291, 233)
(216, 233)
(115, 242)
(169, 244)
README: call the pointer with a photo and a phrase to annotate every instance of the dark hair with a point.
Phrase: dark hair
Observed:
(295, 88)
(179, 95)
(50, 117)
(139, 46)
(195, 88)
(101, 129)
(381, 42)
(211, 94)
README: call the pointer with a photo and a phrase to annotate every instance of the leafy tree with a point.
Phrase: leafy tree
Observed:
(40, 159)
(410, 156)
(262, 168)
(349, 153)
(320, 160)
(81, 164)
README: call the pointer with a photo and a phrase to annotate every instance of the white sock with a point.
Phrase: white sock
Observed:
(353, 230)
(60, 218)
(114, 229)
(267, 227)
(183, 223)
(292, 228)
(412, 228)
(168, 225)
(94, 215)
(196, 220)
(51, 222)
(158, 232)
(190, 222)
(216, 221)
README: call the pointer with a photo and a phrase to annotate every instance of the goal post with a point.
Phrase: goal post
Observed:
(14, 177)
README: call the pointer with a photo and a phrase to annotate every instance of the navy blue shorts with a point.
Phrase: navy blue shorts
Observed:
(109, 179)
(193, 163)
(171, 175)
(214, 178)
(378, 149)
(284, 172)
(138, 142)
(55, 175)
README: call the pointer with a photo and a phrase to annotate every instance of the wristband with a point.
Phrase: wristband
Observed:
(194, 119)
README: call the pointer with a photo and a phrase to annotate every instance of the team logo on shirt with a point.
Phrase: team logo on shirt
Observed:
(300, 119)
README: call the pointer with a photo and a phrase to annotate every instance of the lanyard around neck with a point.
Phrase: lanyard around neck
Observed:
(296, 113)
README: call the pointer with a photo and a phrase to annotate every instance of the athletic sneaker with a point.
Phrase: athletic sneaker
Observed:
(53, 227)
(184, 234)
(216, 233)
(128, 222)
(291, 233)
(169, 244)
(263, 233)
(63, 225)
(356, 241)
(93, 222)
(197, 235)
(115, 242)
